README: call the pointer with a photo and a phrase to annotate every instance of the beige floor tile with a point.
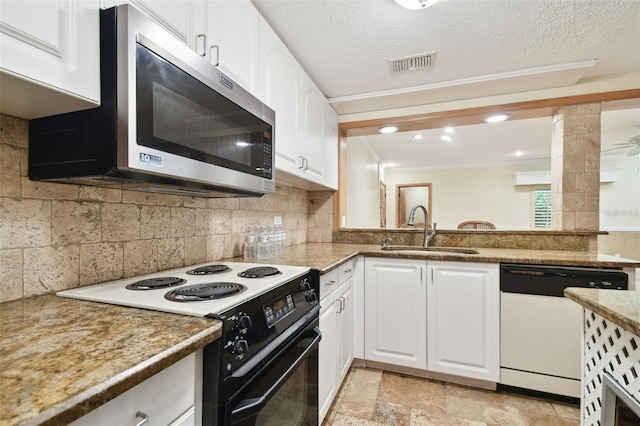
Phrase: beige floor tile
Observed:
(344, 420)
(426, 418)
(566, 410)
(371, 397)
(359, 399)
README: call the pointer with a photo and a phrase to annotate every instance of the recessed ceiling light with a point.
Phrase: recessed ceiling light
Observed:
(496, 118)
(417, 137)
(416, 4)
(388, 129)
(449, 130)
(446, 138)
(518, 153)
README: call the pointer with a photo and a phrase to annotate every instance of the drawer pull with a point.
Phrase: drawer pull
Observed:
(332, 282)
(144, 418)
(346, 271)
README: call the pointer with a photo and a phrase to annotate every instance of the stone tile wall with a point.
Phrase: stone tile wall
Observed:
(55, 236)
(575, 168)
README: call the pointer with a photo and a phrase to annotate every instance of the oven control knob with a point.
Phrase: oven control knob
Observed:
(310, 297)
(241, 347)
(244, 321)
(305, 285)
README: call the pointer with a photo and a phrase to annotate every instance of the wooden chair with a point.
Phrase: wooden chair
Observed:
(476, 224)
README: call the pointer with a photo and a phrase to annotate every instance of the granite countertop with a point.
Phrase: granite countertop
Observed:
(61, 358)
(620, 307)
(325, 257)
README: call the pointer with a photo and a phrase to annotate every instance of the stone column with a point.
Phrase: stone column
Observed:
(575, 168)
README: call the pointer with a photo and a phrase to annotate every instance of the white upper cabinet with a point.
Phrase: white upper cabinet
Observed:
(184, 19)
(49, 57)
(396, 312)
(463, 319)
(233, 29)
(305, 121)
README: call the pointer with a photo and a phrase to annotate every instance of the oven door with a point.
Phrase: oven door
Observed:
(285, 392)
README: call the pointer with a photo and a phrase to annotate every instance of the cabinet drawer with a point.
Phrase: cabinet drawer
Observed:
(166, 397)
(328, 283)
(346, 270)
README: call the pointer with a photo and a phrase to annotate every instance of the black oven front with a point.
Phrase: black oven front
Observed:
(264, 368)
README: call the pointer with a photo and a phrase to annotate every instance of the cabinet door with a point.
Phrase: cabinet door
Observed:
(345, 328)
(328, 354)
(49, 56)
(280, 88)
(395, 312)
(314, 128)
(331, 143)
(184, 19)
(233, 41)
(464, 319)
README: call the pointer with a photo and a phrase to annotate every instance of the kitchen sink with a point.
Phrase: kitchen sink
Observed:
(433, 249)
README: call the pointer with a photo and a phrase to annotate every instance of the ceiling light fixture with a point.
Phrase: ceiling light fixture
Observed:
(496, 118)
(416, 4)
(518, 153)
(388, 129)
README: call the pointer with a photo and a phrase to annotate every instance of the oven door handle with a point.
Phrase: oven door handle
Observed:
(250, 406)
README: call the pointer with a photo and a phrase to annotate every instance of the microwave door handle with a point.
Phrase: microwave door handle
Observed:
(251, 406)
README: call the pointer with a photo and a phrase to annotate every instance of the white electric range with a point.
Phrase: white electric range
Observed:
(180, 291)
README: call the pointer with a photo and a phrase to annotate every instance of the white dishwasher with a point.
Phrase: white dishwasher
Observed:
(540, 336)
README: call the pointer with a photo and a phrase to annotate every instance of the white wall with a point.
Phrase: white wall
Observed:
(363, 187)
(620, 201)
(477, 193)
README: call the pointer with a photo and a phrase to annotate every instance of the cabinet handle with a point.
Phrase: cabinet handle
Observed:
(332, 282)
(201, 37)
(143, 416)
(306, 163)
(215, 60)
(342, 304)
(301, 162)
(346, 271)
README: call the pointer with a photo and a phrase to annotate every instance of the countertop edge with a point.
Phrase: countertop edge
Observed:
(96, 396)
(623, 321)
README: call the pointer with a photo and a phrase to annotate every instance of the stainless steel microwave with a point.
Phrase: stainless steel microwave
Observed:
(169, 122)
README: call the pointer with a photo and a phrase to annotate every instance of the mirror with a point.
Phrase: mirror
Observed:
(473, 170)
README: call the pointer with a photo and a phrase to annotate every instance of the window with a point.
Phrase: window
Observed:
(542, 208)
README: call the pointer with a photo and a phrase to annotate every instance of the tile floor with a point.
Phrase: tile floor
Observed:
(370, 397)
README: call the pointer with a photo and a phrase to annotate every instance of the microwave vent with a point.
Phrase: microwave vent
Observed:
(413, 63)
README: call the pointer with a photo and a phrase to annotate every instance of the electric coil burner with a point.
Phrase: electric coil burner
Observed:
(204, 292)
(208, 270)
(259, 272)
(155, 283)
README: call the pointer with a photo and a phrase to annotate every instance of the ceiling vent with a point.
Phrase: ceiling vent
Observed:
(411, 63)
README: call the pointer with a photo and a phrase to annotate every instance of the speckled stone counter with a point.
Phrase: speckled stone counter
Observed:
(61, 358)
(620, 307)
(327, 256)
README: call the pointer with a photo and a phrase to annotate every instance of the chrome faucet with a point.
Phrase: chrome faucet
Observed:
(428, 236)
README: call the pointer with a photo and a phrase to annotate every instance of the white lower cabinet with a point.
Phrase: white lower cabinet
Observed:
(168, 398)
(396, 311)
(463, 319)
(336, 325)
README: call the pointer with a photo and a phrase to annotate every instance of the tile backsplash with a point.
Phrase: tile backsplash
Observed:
(56, 236)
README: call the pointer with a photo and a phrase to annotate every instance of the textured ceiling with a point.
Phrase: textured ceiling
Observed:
(345, 45)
